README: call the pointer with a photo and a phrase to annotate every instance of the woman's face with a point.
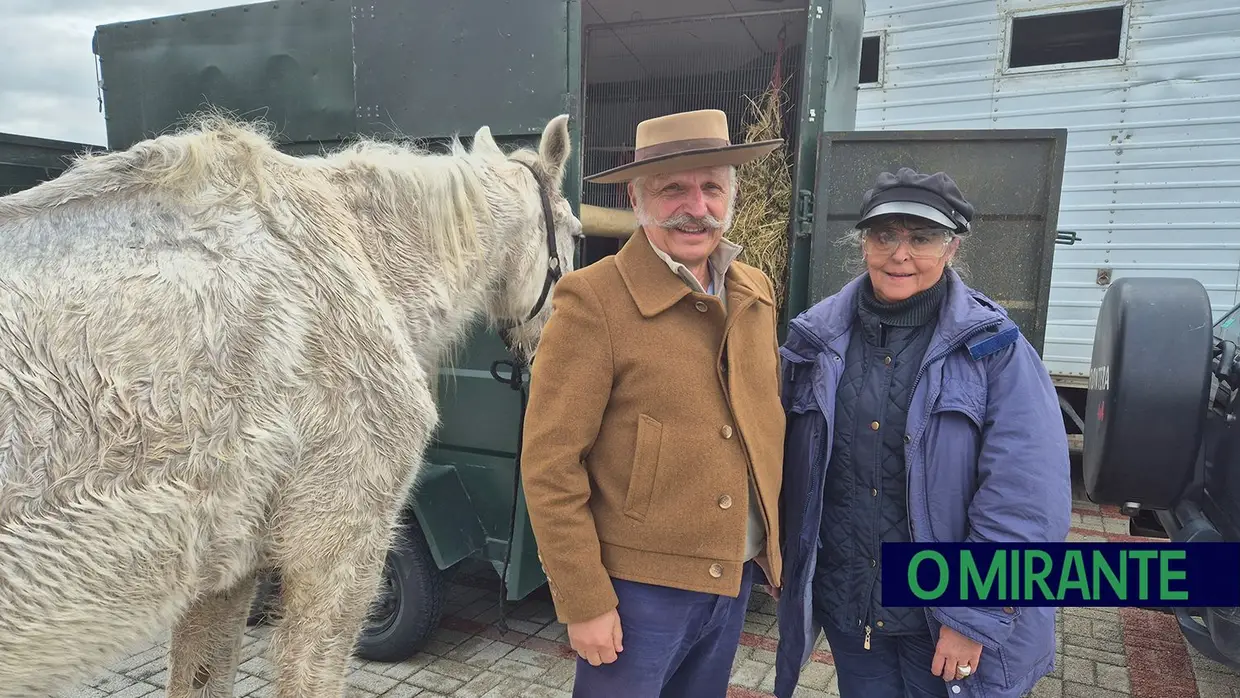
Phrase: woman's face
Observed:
(905, 255)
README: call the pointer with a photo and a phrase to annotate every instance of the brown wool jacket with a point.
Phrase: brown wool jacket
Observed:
(641, 432)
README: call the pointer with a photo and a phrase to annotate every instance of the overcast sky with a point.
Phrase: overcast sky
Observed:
(48, 86)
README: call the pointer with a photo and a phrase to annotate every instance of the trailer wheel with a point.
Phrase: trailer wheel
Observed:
(1148, 391)
(407, 608)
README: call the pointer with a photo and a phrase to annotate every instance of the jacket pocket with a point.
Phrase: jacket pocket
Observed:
(645, 467)
(968, 400)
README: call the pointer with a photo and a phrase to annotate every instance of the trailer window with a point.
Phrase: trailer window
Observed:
(871, 58)
(1081, 36)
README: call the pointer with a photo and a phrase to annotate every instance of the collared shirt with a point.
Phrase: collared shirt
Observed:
(717, 264)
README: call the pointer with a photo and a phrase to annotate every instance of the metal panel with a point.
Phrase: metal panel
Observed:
(431, 69)
(828, 103)
(1011, 177)
(289, 63)
(26, 161)
(1152, 167)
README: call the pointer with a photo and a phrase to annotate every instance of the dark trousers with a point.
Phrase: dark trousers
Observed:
(677, 644)
(895, 666)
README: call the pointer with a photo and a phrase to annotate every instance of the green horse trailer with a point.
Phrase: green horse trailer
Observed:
(26, 161)
(322, 72)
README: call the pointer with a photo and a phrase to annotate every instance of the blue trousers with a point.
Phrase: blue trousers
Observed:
(895, 666)
(677, 644)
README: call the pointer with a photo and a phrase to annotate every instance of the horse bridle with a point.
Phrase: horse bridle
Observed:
(516, 381)
(553, 261)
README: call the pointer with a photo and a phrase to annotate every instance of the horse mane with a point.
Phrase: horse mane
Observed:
(218, 161)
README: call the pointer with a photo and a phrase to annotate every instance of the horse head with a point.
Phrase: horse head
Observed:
(540, 248)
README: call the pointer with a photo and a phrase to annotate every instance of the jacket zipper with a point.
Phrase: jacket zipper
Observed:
(955, 344)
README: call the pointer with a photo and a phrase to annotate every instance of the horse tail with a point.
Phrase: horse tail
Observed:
(83, 582)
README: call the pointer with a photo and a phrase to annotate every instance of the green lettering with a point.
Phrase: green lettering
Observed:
(1143, 557)
(1037, 577)
(1074, 566)
(1166, 575)
(969, 575)
(1102, 568)
(1014, 591)
(944, 576)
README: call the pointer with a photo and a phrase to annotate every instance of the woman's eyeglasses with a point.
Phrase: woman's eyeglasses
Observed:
(923, 243)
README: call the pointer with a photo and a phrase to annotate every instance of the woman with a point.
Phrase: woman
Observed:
(916, 412)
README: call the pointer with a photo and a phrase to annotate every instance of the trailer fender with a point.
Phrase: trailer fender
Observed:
(446, 515)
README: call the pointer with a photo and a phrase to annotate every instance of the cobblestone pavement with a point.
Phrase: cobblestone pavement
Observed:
(1104, 652)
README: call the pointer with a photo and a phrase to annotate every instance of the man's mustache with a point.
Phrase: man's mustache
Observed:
(684, 220)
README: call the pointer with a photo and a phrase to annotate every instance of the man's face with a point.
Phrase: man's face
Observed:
(685, 214)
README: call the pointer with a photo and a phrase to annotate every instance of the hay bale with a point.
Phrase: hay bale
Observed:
(764, 199)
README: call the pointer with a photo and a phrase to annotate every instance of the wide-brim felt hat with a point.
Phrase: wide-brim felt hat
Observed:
(684, 141)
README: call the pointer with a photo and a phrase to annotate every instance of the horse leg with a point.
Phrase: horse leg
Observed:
(327, 591)
(206, 643)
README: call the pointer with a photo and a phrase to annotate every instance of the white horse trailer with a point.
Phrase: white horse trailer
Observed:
(1149, 91)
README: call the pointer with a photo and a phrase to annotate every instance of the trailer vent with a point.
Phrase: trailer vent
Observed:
(1082, 36)
(871, 59)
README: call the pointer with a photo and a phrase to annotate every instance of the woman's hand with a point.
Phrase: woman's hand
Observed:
(952, 652)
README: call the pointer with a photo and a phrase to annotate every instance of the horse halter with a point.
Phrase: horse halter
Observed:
(553, 261)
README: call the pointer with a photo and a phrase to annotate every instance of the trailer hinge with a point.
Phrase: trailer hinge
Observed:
(805, 212)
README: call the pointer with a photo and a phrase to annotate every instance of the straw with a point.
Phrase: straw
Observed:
(764, 196)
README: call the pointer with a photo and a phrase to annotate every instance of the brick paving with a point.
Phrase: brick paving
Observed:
(1105, 652)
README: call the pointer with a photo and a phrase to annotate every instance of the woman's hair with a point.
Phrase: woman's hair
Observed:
(853, 259)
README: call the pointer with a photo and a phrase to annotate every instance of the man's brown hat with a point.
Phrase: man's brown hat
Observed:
(684, 141)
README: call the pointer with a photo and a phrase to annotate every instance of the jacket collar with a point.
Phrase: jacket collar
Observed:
(964, 312)
(655, 287)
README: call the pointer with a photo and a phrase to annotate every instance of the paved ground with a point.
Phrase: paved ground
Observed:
(1104, 652)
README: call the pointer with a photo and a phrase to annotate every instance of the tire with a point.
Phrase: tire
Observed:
(408, 606)
(1149, 388)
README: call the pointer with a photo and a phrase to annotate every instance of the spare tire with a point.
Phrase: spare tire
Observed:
(1149, 384)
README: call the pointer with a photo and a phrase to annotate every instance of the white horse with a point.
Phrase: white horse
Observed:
(213, 360)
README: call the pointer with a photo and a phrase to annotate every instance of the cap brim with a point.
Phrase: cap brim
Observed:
(909, 208)
(708, 157)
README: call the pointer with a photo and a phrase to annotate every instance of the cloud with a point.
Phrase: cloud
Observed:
(49, 84)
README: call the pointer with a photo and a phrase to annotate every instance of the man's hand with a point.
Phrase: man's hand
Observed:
(952, 652)
(598, 640)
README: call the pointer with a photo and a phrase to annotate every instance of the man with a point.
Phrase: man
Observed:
(654, 438)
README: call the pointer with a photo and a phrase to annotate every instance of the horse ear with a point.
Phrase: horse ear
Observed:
(484, 142)
(554, 147)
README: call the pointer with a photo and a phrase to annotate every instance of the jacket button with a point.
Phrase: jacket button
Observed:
(726, 432)
(700, 306)
(1008, 609)
(887, 360)
(725, 501)
(873, 562)
(716, 570)
(874, 426)
(873, 492)
(907, 438)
